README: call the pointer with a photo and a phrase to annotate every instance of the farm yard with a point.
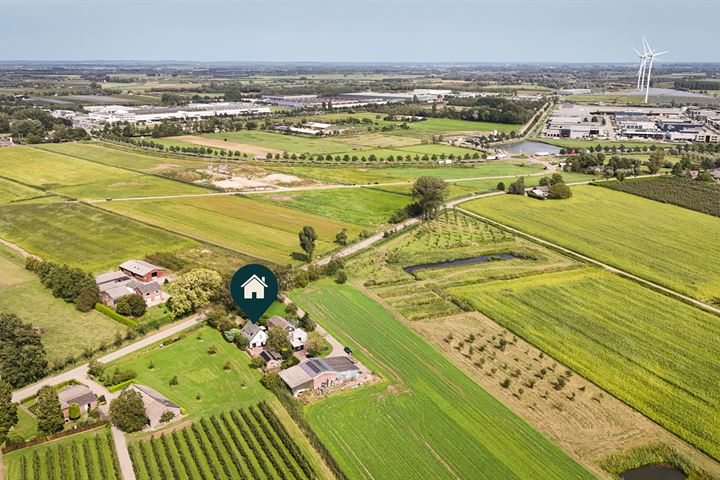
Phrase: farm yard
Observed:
(650, 351)
(699, 196)
(83, 236)
(638, 235)
(255, 228)
(241, 443)
(428, 405)
(83, 456)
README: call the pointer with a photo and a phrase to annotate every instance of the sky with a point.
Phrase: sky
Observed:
(357, 31)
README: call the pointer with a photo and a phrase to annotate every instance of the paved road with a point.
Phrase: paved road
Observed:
(336, 186)
(81, 371)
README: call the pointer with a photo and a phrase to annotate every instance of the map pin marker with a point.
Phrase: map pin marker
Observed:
(254, 288)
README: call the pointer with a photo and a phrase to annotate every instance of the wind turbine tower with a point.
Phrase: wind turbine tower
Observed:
(646, 62)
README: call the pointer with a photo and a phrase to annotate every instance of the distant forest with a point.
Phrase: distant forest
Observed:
(691, 84)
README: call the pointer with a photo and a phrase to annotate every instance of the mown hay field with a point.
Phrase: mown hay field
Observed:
(429, 420)
(361, 206)
(649, 350)
(699, 196)
(84, 456)
(83, 236)
(123, 158)
(77, 178)
(669, 245)
(258, 229)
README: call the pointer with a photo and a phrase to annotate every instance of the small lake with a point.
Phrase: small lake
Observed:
(653, 472)
(531, 147)
(464, 261)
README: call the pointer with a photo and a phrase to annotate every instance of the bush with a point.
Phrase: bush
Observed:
(118, 376)
(559, 191)
(173, 381)
(87, 299)
(166, 416)
(115, 316)
(74, 411)
(257, 362)
(341, 277)
(132, 305)
(289, 362)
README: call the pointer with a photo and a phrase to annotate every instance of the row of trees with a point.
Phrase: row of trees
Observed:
(69, 283)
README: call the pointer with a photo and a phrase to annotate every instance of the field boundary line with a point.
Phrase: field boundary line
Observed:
(174, 232)
(647, 283)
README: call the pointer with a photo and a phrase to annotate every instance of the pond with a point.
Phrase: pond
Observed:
(653, 472)
(531, 147)
(464, 261)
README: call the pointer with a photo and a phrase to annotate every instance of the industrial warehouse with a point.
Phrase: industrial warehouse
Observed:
(633, 123)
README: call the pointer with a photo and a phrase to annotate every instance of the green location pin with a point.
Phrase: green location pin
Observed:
(254, 288)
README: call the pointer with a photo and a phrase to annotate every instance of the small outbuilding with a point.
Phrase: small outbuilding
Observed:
(79, 394)
(316, 373)
(155, 404)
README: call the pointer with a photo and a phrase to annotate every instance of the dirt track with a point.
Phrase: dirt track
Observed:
(209, 142)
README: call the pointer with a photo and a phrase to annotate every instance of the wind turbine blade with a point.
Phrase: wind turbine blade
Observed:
(635, 50)
(661, 53)
(646, 45)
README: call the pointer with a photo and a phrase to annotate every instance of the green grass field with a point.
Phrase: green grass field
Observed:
(66, 330)
(360, 206)
(650, 351)
(279, 141)
(15, 192)
(431, 420)
(242, 443)
(669, 245)
(198, 372)
(77, 178)
(116, 157)
(84, 456)
(258, 229)
(83, 236)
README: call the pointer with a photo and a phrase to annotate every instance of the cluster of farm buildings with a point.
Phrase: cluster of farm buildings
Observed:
(690, 124)
(133, 277)
(309, 374)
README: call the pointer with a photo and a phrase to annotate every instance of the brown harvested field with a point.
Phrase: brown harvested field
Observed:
(591, 426)
(209, 142)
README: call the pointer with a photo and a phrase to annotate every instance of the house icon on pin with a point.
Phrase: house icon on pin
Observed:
(254, 287)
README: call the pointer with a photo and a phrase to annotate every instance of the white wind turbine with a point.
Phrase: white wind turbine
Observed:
(647, 59)
(643, 60)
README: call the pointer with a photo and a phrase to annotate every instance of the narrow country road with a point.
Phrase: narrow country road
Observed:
(334, 186)
(81, 371)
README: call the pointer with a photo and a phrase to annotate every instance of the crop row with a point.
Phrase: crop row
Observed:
(683, 192)
(247, 444)
(91, 458)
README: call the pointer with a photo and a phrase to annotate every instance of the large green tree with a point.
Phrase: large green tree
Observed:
(278, 341)
(22, 356)
(194, 290)
(430, 192)
(127, 412)
(132, 305)
(307, 238)
(8, 410)
(49, 412)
